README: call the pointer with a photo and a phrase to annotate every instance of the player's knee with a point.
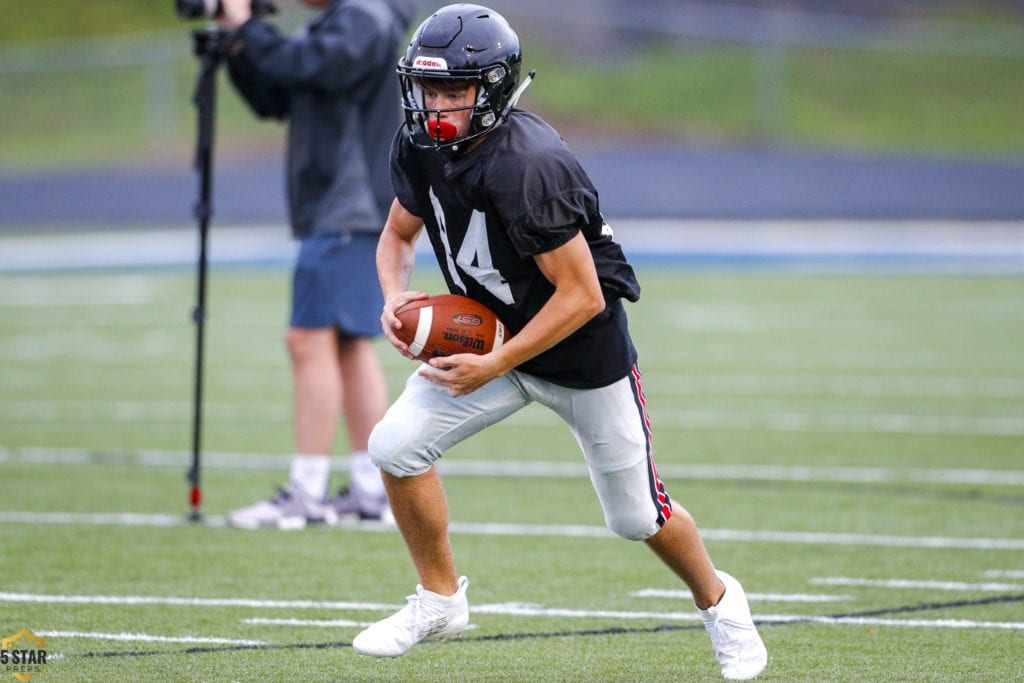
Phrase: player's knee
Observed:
(300, 343)
(393, 447)
(632, 525)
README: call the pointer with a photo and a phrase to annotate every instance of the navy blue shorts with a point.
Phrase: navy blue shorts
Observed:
(335, 284)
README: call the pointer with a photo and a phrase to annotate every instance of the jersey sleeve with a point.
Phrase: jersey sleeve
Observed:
(546, 201)
(402, 170)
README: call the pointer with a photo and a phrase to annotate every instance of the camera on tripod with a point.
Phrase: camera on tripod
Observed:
(194, 9)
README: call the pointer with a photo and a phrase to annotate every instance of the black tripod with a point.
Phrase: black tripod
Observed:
(210, 47)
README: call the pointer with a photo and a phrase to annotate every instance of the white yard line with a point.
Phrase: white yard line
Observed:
(147, 638)
(799, 537)
(502, 609)
(906, 623)
(1004, 574)
(558, 530)
(84, 412)
(834, 385)
(134, 600)
(843, 423)
(515, 610)
(318, 623)
(988, 586)
(535, 468)
(752, 597)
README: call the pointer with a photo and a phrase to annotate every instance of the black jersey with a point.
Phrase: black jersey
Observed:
(520, 192)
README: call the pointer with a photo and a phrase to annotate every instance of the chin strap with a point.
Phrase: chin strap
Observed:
(512, 101)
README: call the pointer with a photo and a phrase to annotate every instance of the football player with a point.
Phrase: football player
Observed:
(514, 223)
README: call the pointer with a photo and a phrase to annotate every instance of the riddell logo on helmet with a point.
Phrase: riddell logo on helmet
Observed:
(430, 63)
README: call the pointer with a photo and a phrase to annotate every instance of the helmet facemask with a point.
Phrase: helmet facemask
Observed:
(425, 123)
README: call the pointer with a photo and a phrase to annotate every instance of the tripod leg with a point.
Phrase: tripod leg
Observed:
(209, 46)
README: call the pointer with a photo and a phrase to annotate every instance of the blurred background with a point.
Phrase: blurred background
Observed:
(835, 109)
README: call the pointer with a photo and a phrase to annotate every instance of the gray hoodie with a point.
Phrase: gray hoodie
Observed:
(337, 87)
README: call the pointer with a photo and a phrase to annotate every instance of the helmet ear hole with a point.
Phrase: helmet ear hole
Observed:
(494, 75)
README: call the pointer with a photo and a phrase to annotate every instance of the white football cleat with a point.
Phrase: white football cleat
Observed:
(738, 647)
(428, 616)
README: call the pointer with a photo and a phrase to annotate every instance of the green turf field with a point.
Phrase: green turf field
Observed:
(852, 445)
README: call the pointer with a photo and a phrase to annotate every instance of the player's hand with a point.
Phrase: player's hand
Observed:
(462, 373)
(235, 13)
(389, 323)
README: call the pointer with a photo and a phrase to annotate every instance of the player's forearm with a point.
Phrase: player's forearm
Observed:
(577, 298)
(396, 250)
(568, 309)
(396, 258)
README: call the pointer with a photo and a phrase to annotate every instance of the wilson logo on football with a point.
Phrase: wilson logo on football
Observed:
(430, 63)
(467, 320)
(466, 341)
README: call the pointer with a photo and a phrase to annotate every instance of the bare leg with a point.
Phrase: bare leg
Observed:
(439, 609)
(317, 385)
(364, 393)
(421, 512)
(679, 546)
(738, 646)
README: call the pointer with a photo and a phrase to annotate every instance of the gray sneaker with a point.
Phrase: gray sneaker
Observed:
(738, 647)
(291, 508)
(351, 502)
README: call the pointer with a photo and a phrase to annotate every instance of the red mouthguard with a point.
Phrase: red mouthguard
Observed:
(441, 130)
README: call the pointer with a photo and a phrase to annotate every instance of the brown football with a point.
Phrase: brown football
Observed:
(446, 324)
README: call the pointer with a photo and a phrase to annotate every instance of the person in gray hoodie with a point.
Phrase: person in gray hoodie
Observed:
(334, 83)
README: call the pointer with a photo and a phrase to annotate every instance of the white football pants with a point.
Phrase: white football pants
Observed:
(610, 424)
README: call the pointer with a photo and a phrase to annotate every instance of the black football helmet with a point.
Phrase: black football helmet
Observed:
(460, 42)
